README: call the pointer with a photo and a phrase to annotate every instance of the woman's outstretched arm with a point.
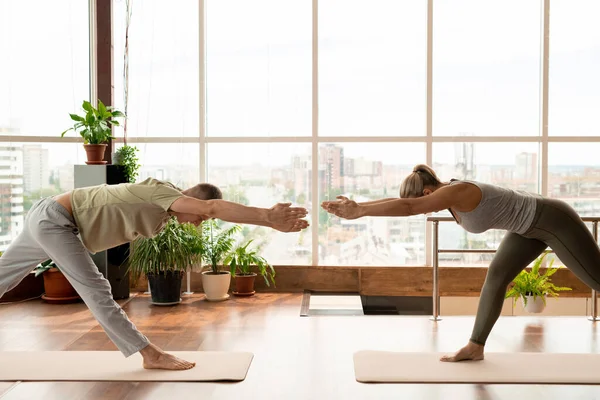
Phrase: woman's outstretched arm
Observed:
(441, 199)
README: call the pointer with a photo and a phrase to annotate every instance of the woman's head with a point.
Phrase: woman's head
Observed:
(420, 182)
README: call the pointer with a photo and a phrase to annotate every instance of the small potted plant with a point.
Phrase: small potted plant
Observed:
(216, 245)
(533, 287)
(126, 157)
(57, 288)
(241, 263)
(164, 258)
(95, 127)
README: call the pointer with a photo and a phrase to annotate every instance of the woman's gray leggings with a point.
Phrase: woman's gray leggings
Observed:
(556, 225)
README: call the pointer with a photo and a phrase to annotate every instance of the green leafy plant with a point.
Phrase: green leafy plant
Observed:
(45, 266)
(176, 248)
(532, 283)
(217, 243)
(242, 261)
(95, 127)
(126, 156)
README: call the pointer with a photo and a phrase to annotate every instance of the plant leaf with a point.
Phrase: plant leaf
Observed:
(87, 106)
(63, 134)
(76, 117)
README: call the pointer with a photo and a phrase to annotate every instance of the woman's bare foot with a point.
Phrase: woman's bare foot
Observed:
(155, 358)
(472, 352)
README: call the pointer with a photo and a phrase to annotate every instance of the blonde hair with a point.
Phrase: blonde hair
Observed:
(421, 177)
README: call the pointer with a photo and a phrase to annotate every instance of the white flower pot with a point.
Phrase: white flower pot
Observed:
(534, 305)
(216, 286)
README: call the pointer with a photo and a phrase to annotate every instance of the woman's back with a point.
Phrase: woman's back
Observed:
(499, 208)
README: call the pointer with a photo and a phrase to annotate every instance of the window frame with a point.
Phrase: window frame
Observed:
(201, 140)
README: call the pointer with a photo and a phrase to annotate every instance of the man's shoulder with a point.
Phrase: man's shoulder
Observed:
(155, 182)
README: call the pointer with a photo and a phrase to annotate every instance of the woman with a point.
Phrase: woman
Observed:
(532, 223)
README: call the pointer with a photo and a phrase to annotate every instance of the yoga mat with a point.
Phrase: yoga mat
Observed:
(113, 366)
(532, 368)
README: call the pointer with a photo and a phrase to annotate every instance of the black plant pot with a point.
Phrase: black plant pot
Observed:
(165, 288)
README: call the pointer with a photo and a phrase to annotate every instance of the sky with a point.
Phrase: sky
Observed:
(371, 74)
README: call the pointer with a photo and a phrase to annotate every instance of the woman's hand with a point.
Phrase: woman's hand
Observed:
(343, 208)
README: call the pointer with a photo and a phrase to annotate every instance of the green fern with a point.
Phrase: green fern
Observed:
(216, 243)
(175, 248)
(531, 283)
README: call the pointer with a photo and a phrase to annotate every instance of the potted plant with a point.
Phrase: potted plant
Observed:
(241, 263)
(58, 289)
(95, 127)
(164, 258)
(216, 245)
(126, 157)
(533, 287)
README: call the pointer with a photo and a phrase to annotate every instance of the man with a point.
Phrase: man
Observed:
(67, 227)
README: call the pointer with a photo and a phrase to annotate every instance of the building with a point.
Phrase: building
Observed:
(301, 175)
(331, 168)
(65, 176)
(464, 155)
(36, 171)
(11, 194)
(526, 167)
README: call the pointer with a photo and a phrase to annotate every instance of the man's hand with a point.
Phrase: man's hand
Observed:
(292, 226)
(282, 214)
(343, 208)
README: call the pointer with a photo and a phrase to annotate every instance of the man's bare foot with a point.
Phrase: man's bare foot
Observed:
(472, 352)
(155, 358)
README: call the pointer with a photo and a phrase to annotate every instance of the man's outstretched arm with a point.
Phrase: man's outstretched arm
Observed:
(281, 216)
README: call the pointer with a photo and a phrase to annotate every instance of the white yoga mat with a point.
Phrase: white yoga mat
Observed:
(532, 368)
(113, 366)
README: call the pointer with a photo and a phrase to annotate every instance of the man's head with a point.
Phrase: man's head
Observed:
(202, 191)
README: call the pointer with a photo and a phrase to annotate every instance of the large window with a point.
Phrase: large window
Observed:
(162, 82)
(44, 76)
(486, 76)
(44, 70)
(511, 165)
(258, 68)
(280, 100)
(301, 101)
(366, 172)
(372, 68)
(574, 92)
(261, 174)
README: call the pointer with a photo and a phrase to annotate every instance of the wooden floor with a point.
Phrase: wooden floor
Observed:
(295, 357)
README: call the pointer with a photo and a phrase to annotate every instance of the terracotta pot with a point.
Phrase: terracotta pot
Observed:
(58, 289)
(244, 285)
(95, 153)
(216, 286)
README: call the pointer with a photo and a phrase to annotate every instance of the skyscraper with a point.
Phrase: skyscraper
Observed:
(36, 171)
(526, 166)
(331, 163)
(11, 194)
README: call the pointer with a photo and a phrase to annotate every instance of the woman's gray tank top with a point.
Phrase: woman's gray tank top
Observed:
(499, 208)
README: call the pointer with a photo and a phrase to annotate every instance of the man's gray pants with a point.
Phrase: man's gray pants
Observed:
(50, 232)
